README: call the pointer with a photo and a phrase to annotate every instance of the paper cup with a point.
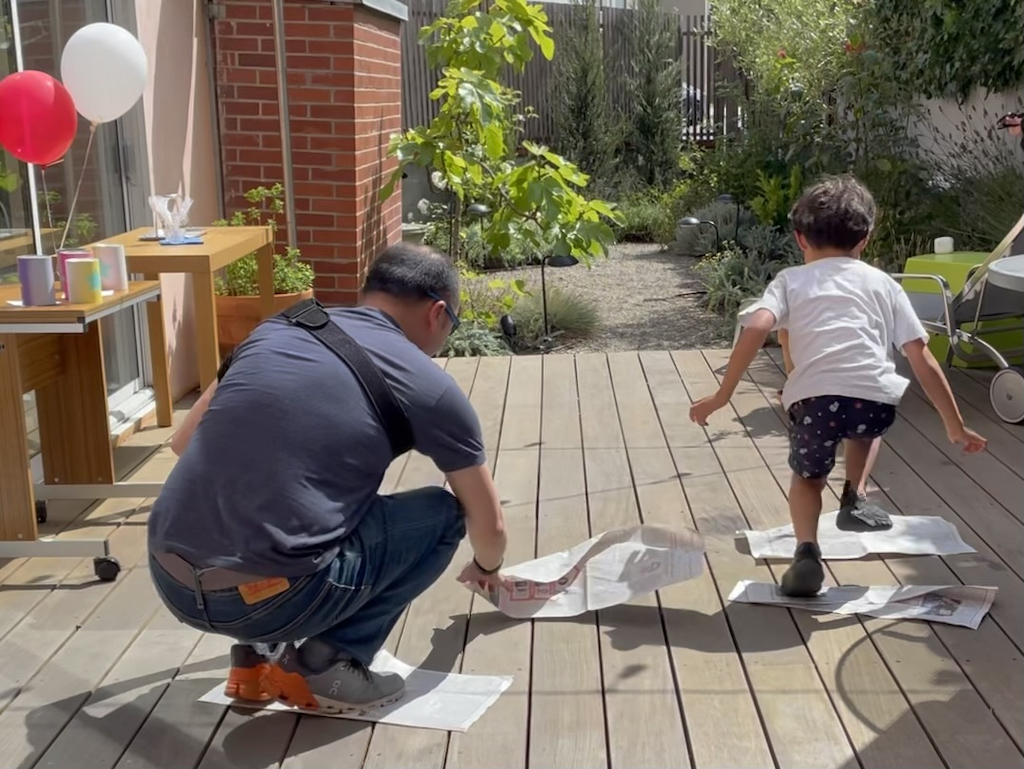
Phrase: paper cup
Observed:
(113, 268)
(83, 281)
(62, 273)
(35, 274)
(943, 245)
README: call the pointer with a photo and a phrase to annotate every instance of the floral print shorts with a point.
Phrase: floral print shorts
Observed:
(818, 425)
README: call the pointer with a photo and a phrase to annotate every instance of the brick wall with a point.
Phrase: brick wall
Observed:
(344, 89)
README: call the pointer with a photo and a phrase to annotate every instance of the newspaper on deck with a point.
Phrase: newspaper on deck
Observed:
(447, 701)
(604, 571)
(964, 605)
(909, 535)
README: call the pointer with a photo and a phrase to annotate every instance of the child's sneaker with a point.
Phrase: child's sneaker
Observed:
(857, 514)
(805, 576)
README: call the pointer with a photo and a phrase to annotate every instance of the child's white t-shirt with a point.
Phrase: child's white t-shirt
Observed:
(844, 318)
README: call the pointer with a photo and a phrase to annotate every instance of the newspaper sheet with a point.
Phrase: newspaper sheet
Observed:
(964, 605)
(446, 701)
(909, 535)
(604, 571)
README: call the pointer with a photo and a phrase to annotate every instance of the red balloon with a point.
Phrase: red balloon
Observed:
(38, 120)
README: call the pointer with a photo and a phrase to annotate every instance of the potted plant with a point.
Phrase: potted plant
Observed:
(238, 305)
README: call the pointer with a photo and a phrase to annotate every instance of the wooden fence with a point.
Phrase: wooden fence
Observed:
(710, 112)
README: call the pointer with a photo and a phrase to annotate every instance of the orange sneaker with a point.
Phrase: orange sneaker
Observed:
(249, 676)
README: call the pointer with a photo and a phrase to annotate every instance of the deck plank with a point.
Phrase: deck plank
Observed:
(567, 718)
(711, 675)
(445, 604)
(985, 470)
(973, 387)
(496, 644)
(796, 703)
(1001, 444)
(639, 679)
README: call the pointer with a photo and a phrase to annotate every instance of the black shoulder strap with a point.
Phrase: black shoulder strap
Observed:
(310, 315)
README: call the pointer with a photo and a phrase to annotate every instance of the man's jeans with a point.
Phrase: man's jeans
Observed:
(400, 548)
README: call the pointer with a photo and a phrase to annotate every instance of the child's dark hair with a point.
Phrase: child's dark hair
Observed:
(836, 212)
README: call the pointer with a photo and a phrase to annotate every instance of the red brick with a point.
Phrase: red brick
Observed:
(256, 92)
(338, 298)
(257, 60)
(228, 42)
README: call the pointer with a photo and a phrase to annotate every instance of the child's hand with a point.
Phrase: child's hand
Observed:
(967, 439)
(705, 407)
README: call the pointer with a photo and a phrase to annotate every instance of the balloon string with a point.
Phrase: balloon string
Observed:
(78, 188)
(46, 198)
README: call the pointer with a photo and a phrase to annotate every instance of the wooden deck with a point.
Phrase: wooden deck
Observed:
(99, 675)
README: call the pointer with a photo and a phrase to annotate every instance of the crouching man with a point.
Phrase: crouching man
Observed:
(270, 529)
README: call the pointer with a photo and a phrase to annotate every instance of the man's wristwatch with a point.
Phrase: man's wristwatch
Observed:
(487, 571)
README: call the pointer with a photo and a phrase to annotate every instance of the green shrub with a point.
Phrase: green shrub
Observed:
(735, 275)
(474, 339)
(569, 312)
(646, 219)
(241, 278)
(697, 241)
(583, 119)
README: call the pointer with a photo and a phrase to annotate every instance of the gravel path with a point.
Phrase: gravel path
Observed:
(648, 300)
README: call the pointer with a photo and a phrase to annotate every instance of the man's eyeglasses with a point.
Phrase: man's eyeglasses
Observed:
(448, 311)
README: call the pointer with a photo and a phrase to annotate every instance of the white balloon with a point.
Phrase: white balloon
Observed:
(104, 68)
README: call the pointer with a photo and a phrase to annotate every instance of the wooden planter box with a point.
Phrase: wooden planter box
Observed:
(237, 316)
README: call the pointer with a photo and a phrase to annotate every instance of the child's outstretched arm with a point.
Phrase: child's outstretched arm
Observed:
(755, 332)
(936, 386)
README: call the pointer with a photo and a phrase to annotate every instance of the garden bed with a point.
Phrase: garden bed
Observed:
(647, 299)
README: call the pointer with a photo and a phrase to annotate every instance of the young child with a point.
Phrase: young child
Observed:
(855, 512)
(843, 318)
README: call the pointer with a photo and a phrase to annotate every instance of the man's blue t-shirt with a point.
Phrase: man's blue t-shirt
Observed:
(290, 454)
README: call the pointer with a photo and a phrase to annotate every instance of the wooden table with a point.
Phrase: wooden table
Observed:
(21, 243)
(221, 246)
(57, 351)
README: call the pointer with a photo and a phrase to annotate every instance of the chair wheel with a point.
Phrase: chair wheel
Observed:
(42, 513)
(1006, 392)
(106, 569)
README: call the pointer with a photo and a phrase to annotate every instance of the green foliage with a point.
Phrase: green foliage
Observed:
(777, 197)
(583, 120)
(646, 218)
(787, 47)
(474, 339)
(569, 313)
(9, 180)
(655, 101)
(83, 227)
(291, 276)
(951, 47)
(469, 146)
(737, 274)
(485, 301)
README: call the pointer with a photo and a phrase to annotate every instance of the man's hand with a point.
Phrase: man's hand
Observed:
(472, 576)
(967, 439)
(705, 407)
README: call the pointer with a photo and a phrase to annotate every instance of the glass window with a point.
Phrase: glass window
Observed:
(99, 212)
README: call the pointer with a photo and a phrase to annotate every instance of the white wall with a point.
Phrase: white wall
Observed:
(179, 136)
(979, 114)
